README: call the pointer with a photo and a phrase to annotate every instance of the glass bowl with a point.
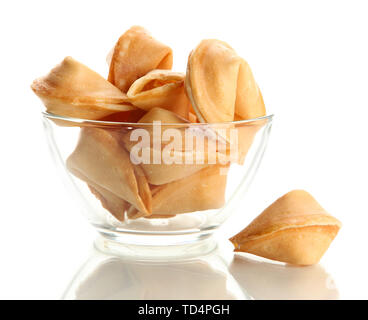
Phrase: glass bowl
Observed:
(111, 277)
(157, 185)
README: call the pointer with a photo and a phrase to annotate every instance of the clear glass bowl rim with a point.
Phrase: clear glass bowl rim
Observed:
(49, 115)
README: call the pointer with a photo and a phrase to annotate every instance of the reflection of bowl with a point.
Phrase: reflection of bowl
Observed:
(106, 276)
(159, 189)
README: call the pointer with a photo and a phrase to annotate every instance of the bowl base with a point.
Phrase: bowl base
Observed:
(174, 248)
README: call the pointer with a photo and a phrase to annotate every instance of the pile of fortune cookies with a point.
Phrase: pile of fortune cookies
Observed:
(218, 87)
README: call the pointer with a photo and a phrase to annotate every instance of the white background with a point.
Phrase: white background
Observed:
(310, 59)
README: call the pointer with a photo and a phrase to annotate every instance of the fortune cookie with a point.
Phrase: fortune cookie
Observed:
(135, 54)
(221, 88)
(294, 229)
(204, 190)
(160, 88)
(102, 160)
(184, 160)
(171, 120)
(71, 89)
(221, 85)
(158, 116)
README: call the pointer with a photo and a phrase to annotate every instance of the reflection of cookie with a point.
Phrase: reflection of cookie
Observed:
(220, 84)
(71, 89)
(160, 88)
(294, 229)
(135, 54)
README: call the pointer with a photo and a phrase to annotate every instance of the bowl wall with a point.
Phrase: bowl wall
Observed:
(157, 184)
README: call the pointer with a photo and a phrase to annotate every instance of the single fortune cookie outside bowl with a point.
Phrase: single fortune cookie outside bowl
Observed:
(294, 229)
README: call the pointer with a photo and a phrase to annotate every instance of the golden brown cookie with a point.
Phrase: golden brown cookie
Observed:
(71, 89)
(160, 88)
(294, 229)
(186, 159)
(135, 54)
(100, 158)
(204, 190)
(221, 88)
(220, 84)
